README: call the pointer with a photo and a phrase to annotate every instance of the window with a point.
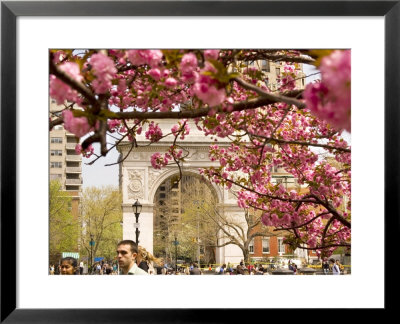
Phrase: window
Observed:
(265, 65)
(251, 246)
(278, 71)
(58, 127)
(265, 245)
(281, 247)
(162, 195)
(56, 140)
(56, 153)
(56, 165)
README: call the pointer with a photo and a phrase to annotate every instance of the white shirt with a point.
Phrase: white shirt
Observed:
(335, 269)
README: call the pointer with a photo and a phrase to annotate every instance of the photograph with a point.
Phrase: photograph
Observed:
(211, 138)
(211, 161)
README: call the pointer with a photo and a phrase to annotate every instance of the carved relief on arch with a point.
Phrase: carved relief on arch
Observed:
(154, 174)
(136, 184)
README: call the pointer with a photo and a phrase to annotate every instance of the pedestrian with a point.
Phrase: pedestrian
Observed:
(81, 268)
(127, 252)
(240, 268)
(325, 267)
(195, 270)
(69, 266)
(340, 266)
(294, 267)
(335, 267)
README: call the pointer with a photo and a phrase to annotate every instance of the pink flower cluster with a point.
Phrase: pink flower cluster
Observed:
(206, 87)
(154, 132)
(182, 128)
(104, 70)
(140, 57)
(158, 160)
(188, 67)
(62, 92)
(76, 125)
(331, 99)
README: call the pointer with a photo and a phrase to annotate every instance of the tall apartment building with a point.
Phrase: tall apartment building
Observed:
(65, 163)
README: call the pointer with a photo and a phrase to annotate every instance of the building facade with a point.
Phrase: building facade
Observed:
(65, 164)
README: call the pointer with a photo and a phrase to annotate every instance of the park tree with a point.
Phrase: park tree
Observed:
(101, 218)
(233, 230)
(63, 227)
(125, 92)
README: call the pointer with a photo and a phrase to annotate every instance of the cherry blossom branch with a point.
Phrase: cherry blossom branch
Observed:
(274, 98)
(280, 141)
(67, 79)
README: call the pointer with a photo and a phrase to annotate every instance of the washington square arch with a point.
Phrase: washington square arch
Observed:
(154, 188)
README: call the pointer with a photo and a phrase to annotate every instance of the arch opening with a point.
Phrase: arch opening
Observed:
(184, 220)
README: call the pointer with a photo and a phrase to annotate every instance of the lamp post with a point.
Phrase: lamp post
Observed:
(197, 203)
(176, 242)
(137, 208)
(91, 243)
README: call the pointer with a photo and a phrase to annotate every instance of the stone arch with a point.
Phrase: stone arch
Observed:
(172, 172)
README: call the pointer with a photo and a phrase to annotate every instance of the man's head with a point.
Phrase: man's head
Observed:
(127, 251)
(332, 260)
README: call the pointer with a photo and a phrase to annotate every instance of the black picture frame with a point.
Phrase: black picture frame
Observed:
(11, 10)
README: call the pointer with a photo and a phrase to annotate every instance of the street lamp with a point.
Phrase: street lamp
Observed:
(91, 243)
(198, 203)
(176, 242)
(137, 208)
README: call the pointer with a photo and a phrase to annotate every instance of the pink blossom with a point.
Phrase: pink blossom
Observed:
(104, 70)
(137, 57)
(171, 83)
(155, 74)
(140, 57)
(154, 133)
(76, 125)
(158, 160)
(62, 92)
(188, 63)
(209, 94)
(211, 54)
(331, 99)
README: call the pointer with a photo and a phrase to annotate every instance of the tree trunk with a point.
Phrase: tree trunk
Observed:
(246, 256)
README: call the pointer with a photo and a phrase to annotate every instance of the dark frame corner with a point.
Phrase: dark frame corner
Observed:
(10, 10)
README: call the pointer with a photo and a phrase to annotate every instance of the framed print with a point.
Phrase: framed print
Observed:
(29, 29)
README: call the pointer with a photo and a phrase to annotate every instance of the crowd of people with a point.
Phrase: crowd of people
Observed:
(136, 260)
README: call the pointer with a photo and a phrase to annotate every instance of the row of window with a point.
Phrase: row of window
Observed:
(56, 140)
(55, 164)
(55, 152)
(266, 246)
